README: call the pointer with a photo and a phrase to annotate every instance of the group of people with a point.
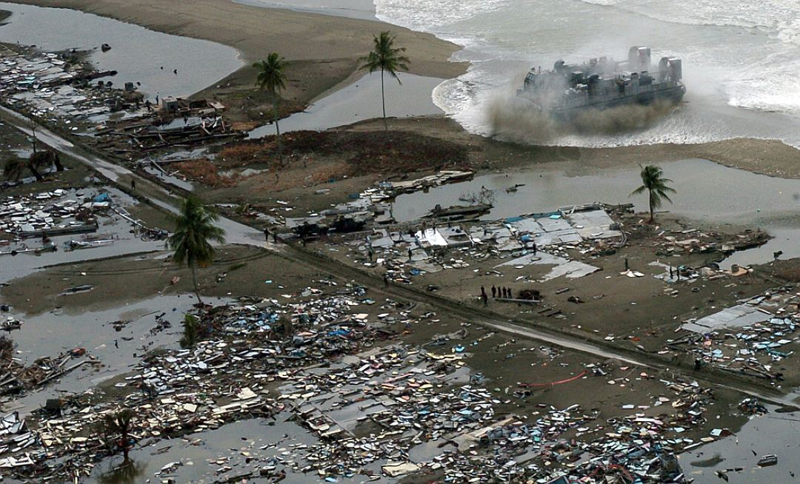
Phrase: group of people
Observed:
(502, 292)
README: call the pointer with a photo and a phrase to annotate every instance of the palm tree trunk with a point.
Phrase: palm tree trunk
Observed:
(194, 281)
(383, 104)
(275, 114)
(652, 217)
(125, 448)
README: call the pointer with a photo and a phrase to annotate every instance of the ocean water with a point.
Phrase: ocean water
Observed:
(741, 60)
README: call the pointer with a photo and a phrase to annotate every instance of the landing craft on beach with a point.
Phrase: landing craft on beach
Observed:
(569, 90)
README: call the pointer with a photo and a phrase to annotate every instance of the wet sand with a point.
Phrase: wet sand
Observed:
(255, 32)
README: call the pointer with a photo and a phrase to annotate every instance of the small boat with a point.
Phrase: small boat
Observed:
(768, 460)
(105, 47)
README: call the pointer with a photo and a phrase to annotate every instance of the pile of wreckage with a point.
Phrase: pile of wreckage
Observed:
(374, 410)
(421, 420)
(694, 241)
(529, 239)
(747, 338)
(48, 86)
(372, 206)
(131, 137)
(16, 378)
(47, 214)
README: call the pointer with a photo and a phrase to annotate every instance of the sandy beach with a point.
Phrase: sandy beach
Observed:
(322, 50)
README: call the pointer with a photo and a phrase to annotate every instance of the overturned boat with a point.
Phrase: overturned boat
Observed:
(570, 89)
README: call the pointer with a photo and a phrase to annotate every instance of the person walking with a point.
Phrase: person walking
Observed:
(494, 292)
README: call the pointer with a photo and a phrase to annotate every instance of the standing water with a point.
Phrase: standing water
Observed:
(165, 65)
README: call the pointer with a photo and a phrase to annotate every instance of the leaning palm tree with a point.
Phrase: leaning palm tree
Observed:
(194, 232)
(272, 78)
(656, 185)
(385, 58)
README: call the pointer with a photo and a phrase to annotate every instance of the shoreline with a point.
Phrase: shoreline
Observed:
(322, 51)
(256, 31)
(326, 61)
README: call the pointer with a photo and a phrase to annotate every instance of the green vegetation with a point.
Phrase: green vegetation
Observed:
(272, 79)
(386, 58)
(194, 232)
(191, 330)
(656, 185)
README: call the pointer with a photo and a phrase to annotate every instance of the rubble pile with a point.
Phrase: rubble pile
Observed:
(131, 137)
(419, 419)
(531, 239)
(57, 87)
(694, 241)
(745, 338)
(375, 409)
(59, 212)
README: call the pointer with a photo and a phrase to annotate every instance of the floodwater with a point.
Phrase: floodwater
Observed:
(56, 332)
(774, 433)
(705, 190)
(137, 54)
(361, 101)
(112, 227)
(198, 458)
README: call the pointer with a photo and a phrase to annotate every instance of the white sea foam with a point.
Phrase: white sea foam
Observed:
(741, 57)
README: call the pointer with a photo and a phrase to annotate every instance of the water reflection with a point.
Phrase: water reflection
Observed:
(127, 472)
(168, 65)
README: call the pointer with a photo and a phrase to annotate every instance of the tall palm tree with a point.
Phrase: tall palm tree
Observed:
(386, 58)
(272, 78)
(656, 185)
(194, 232)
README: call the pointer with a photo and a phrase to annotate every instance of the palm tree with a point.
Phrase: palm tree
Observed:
(119, 423)
(656, 185)
(385, 58)
(272, 78)
(194, 232)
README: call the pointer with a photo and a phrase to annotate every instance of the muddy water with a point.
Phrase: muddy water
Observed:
(138, 54)
(705, 190)
(361, 101)
(198, 458)
(774, 433)
(56, 332)
(111, 227)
